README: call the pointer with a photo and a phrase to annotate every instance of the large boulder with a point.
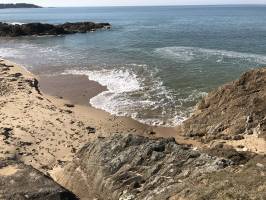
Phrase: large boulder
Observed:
(233, 109)
(19, 182)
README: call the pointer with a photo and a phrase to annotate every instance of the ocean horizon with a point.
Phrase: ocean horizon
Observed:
(157, 62)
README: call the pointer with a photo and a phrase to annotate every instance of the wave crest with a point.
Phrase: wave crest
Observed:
(137, 92)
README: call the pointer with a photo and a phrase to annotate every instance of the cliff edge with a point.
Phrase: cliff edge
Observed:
(234, 111)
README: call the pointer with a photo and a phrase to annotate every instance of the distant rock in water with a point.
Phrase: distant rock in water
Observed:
(10, 30)
(83, 27)
(18, 181)
(232, 110)
(18, 5)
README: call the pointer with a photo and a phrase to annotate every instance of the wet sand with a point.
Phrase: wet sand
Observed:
(78, 89)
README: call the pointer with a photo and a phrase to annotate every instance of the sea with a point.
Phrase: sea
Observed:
(156, 62)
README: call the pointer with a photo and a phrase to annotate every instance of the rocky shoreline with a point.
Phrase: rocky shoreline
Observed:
(98, 156)
(15, 30)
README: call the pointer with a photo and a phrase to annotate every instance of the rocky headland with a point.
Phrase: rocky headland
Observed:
(15, 30)
(17, 5)
(234, 113)
(218, 153)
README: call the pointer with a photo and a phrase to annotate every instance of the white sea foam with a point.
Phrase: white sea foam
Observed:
(194, 94)
(11, 53)
(53, 54)
(184, 54)
(15, 23)
(137, 94)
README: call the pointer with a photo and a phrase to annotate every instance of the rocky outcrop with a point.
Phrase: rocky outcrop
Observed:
(232, 110)
(18, 5)
(83, 27)
(18, 182)
(15, 30)
(136, 167)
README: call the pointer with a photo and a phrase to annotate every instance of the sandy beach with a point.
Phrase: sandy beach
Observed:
(46, 128)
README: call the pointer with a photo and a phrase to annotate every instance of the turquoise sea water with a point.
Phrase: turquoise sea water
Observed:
(157, 62)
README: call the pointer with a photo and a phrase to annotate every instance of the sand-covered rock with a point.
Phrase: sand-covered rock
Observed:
(136, 167)
(19, 182)
(231, 111)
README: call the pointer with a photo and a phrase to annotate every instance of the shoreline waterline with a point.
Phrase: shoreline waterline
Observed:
(132, 94)
(80, 89)
(128, 123)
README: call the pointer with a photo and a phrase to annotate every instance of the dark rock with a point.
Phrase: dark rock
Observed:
(83, 27)
(135, 167)
(16, 75)
(9, 30)
(68, 111)
(6, 65)
(152, 133)
(241, 146)
(18, 5)
(91, 129)
(238, 137)
(6, 132)
(69, 105)
(19, 182)
(40, 98)
(226, 137)
(21, 143)
(34, 83)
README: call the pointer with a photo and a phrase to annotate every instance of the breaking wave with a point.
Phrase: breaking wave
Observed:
(137, 92)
